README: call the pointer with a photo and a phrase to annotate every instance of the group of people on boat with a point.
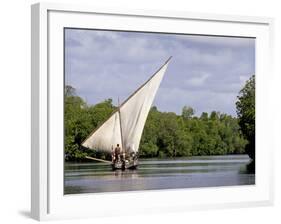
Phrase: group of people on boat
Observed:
(120, 156)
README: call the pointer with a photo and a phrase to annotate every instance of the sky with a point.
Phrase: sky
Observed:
(205, 72)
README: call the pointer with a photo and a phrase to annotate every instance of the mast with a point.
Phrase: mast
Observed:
(122, 143)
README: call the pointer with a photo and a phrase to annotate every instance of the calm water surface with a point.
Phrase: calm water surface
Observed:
(152, 174)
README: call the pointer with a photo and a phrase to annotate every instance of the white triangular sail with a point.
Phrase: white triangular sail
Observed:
(135, 110)
(107, 136)
(125, 126)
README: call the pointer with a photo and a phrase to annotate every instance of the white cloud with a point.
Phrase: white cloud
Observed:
(222, 41)
(103, 64)
(199, 80)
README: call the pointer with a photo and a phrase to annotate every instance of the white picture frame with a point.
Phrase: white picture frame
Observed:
(47, 198)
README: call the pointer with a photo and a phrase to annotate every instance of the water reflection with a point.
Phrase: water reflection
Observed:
(159, 174)
(132, 174)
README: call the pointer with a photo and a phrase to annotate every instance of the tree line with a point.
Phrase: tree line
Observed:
(167, 134)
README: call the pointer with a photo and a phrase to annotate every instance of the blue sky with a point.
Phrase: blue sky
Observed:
(206, 72)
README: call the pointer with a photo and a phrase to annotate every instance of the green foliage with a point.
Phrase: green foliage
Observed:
(187, 112)
(165, 134)
(80, 120)
(170, 135)
(245, 107)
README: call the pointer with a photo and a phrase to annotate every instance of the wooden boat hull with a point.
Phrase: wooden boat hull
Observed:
(125, 165)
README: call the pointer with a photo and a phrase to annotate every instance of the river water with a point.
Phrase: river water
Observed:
(152, 174)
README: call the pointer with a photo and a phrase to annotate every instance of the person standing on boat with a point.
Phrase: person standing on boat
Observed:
(117, 152)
